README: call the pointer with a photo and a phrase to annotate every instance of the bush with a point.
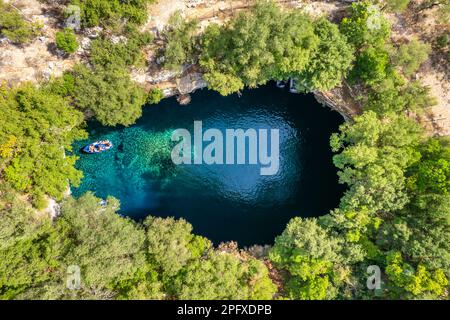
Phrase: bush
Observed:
(39, 201)
(155, 96)
(442, 41)
(105, 12)
(397, 5)
(105, 53)
(372, 66)
(181, 41)
(66, 40)
(14, 27)
(410, 56)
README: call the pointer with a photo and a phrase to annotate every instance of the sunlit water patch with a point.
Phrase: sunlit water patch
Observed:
(222, 202)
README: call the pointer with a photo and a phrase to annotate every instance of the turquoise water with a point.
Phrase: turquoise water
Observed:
(222, 202)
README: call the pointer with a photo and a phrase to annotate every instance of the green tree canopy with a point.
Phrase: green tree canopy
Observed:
(411, 55)
(106, 246)
(375, 153)
(109, 94)
(181, 40)
(331, 60)
(224, 276)
(37, 127)
(365, 26)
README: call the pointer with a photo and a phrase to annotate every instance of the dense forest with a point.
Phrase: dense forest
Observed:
(395, 212)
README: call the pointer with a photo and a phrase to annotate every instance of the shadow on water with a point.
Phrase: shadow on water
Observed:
(222, 202)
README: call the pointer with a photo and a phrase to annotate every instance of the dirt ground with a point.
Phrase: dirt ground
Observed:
(38, 59)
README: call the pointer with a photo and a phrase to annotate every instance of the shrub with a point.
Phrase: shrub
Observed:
(66, 40)
(181, 41)
(410, 56)
(155, 96)
(443, 40)
(372, 66)
(105, 12)
(105, 53)
(14, 27)
(397, 5)
(39, 201)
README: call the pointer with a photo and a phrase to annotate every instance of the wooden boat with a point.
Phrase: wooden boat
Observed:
(98, 147)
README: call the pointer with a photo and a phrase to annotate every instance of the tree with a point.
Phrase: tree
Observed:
(66, 40)
(28, 254)
(180, 36)
(155, 96)
(432, 173)
(14, 26)
(107, 247)
(171, 245)
(37, 128)
(109, 94)
(310, 254)
(365, 26)
(224, 276)
(405, 279)
(410, 56)
(331, 61)
(375, 155)
(372, 66)
(256, 46)
(394, 94)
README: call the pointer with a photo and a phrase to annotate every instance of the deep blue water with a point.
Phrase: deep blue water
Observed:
(222, 202)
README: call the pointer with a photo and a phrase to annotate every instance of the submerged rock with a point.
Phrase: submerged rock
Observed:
(184, 99)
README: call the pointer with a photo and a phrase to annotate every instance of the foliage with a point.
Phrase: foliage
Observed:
(397, 5)
(180, 36)
(443, 40)
(256, 46)
(28, 254)
(405, 278)
(224, 276)
(106, 247)
(37, 127)
(171, 245)
(126, 52)
(309, 253)
(109, 94)
(105, 12)
(14, 26)
(410, 56)
(365, 26)
(372, 66)
(155, 96)
(331, 61)
(394, 94)
(432, 173)
(66, 40)
(375, 152)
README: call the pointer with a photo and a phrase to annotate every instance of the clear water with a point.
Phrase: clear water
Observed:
(222, 202)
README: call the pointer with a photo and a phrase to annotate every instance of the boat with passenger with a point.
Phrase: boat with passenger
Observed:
(98, 146)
